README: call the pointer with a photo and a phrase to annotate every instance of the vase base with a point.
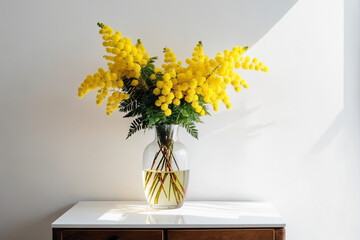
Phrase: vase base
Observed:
(164, 207)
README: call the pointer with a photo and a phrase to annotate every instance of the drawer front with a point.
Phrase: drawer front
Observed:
(83, 234)
(222, 234)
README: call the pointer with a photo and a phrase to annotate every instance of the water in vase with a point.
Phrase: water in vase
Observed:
(165, 189)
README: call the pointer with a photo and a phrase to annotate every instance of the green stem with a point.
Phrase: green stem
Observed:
(153, 187)
(212, 71)
(159, 180)
(156, 155)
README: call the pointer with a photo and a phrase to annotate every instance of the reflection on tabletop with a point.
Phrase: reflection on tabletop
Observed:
(228, 210)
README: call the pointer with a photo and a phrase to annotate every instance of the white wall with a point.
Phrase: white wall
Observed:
(292, 138)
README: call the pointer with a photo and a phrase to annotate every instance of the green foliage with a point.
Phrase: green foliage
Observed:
(100, 25)
(191, 129)
(141, 106)
(136, 125)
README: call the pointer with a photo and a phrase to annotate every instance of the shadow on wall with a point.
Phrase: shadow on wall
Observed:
(250, 18)
(346, 118)
(259, 16)
(329, 135)
(235, 120)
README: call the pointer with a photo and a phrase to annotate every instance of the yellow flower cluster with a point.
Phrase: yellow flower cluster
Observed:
(203, 78)
(125, 60)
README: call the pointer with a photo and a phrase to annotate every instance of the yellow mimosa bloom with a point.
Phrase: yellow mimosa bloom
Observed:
(134, 82)
(188, 99)
(162, 99)
(176, 101)
(194, 104)
(167, 112)
(202, 82)
(245, 65)
(235, 83)
(160, 84)
(156, 91)
(166, 77)
(164, 106)
(165, 90)
(158, 103)
(178, 94)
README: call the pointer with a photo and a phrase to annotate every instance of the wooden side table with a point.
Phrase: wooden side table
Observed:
(196, 220)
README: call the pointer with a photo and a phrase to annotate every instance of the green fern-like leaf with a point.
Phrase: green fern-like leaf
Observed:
(191, 129)
(128, 105)
(136, 111)
(136, 125)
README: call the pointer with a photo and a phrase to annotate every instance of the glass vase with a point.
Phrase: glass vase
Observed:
(165, 169)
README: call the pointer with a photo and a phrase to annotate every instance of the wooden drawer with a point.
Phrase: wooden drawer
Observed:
(87, 234)
(222, 234)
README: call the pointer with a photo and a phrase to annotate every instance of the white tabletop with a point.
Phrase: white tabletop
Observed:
(193, 214)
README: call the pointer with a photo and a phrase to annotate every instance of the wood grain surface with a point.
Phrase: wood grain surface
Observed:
(222, 234)
(112, 235)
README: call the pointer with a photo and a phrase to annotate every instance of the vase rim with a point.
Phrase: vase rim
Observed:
(172, 124)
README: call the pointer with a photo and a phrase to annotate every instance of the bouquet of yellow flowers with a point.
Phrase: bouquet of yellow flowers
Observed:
(165, 98)
(173, 94)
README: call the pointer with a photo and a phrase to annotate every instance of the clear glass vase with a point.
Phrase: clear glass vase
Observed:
(165, 169)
